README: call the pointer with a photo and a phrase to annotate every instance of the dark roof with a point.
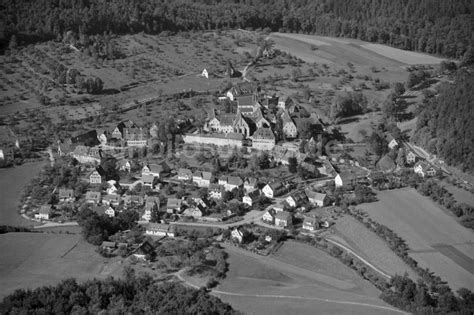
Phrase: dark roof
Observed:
(264, 133)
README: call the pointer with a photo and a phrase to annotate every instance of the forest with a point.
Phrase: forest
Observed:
(433, 26)
(445, 125)
(135, 294)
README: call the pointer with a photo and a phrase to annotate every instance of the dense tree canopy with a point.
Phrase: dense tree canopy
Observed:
(445, 124)
(133, 295)
(432, 26)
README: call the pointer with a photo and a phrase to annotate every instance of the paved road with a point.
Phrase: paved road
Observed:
(252, 216)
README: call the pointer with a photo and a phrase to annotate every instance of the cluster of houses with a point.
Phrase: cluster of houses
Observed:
(255, 122)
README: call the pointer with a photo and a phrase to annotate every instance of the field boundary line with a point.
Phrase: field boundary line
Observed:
(68, 251)
(217, 292)
(362, 259)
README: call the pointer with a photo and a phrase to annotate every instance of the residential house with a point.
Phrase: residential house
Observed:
(174, 205)
(279, 206)
(44, 212)
(283, 219)
(112, 187)
(143, 251)
(110, 212)
(347, 179)
(269, 216)
(296, 199)
(95, 178)
(109, 246)
(185, 174)
(251, 197)
(263, 139)
(241, 89)
(148, 180)
(136, 137)
(202, 179)
(119, 131)
(133, 200)
(423, 169)
(310, 224)
(111, 200)
(238, 235)
(216, 191)
(124, 165)
(392, 142)
(158, 229)
(66, 195)
(93, 197)
(85, 154)
(157, 170)
(250, 184)
(231, 182)
(194, 212)
(316, 198)
(289, 127)
(274, 189)
(102, 135)
(411, 157)
(152, 203)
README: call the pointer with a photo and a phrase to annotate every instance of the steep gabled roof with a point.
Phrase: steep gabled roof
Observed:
(264, 134)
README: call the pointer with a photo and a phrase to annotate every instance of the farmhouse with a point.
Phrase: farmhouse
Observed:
(202, 179)
(317, 199)
(119, 131)
(66, 195)
(263, 139)
(194, 212)
(135, 137)
(241, 89)
(185, 174)
(251, 197)
(348, 178)
(95, 178)
(148, 180)
(216, 191)
(157, 170)
(283, 219)
(124, 165)
(424, 169)
(250, 183)
(274, 189)
(310, 224)
(289, 127)
(93, 197)
(229, 139)
(174, 205)
(111, 200)
(44, 213)
(85, 154)
(158, 229)
(269, 217)
(296, 199)
(143, 251)
(411, 157)
(392, 142)
(133, 200)
(152, 203)
(231, 182)
(238, 235)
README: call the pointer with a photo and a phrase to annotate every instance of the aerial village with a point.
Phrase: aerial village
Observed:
(296, 193)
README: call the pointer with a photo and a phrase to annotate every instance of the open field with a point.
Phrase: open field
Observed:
(30, 260)
(371, 247)
(331, 50)
(404, 56)
(12, 181)
(298, 280)
(436, 240)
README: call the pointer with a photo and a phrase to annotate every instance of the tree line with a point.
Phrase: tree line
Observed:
(431, 26)
(444, 125)
(135, 294)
